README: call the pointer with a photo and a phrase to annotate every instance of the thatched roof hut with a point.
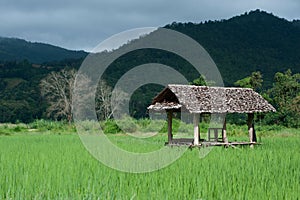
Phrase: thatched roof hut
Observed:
(204, 99)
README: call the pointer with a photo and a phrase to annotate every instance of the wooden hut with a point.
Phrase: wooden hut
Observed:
(197, 100)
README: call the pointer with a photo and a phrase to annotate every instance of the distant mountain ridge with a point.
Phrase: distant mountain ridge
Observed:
(14, 49)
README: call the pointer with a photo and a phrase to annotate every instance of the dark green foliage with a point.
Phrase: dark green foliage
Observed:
(110, 126)
(253, 81)
(199, 81)
(142, 56)
(18, 50)
(21, 109)
(254, 41)
(3, 84)
(175, 126)
(285, 96)
(49, 125)
(237, 118)
(202, 81)
(20, 96)
(142, 98)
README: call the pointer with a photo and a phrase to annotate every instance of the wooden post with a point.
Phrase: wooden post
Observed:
(250, 127)
(224, 134)
(254, 134)
(170, 135)
(216, 134)
(196, 128)
(199, 121)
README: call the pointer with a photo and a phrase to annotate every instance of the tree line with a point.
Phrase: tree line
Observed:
(57, 89)
(284, 95)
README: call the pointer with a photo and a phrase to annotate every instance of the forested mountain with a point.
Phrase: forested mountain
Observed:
(20, 97)
(13, 49)
(254, 41)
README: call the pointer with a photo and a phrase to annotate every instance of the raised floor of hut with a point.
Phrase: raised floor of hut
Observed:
(204, 143)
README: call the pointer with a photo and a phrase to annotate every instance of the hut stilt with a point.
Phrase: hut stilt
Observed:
(196, 128)
(224, 135)
(251, 131)
(170, 135)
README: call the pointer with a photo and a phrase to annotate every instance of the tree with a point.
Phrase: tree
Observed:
(202, 81)
(253, 81)
(107, 101)
(285, 95)
(57, 89)
(199, 81)
(256, 80)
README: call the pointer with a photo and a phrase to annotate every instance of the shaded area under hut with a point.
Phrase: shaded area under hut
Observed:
(197, 100)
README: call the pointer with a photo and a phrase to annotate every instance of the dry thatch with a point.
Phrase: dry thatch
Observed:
(203, 99)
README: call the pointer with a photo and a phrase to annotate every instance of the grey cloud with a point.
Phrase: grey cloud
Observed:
(83, 24)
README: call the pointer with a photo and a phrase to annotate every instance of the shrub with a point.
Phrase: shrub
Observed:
(154, 126)
(128, 124)
(110, 126)
(46, 125)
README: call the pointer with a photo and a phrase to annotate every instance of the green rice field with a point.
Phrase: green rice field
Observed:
(53, 166)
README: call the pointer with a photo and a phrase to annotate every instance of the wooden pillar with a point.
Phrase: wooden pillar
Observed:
(254, 134)
(216, 134)
(196, 129)
(250, 127)
(224, 134)
(170, 135)
(199, 120)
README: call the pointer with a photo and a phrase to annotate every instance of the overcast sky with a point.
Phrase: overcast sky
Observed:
(83, 24)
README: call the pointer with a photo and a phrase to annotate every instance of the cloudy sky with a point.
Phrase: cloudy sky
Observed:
(82, 24)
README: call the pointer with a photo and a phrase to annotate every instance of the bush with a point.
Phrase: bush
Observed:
(47, 125)
(153, 125)
(204, 127)
(128, 124)
(185, 128)
(87, 125)
(110, 126)
(18, 129)
(175, 125)
(236, 130)
(144, 123)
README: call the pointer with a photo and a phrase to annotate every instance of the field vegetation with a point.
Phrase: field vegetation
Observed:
(46, 160)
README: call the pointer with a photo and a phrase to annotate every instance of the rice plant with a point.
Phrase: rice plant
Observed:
(51, 166)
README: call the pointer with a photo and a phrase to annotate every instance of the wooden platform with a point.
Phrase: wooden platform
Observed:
(228, 143)
(181, 141)
(203, 143)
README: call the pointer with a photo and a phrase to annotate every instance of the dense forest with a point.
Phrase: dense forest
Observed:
(14, 49)
(254, 41)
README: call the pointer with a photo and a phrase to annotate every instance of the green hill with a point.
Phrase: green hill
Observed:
(13, 49)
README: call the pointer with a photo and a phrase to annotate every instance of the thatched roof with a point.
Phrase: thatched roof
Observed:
(203, 99)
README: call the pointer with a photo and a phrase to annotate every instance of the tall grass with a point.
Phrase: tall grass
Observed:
(38, 126)
(142, 125)
(58, 167)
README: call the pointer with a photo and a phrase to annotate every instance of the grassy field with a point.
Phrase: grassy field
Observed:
(50, 164)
